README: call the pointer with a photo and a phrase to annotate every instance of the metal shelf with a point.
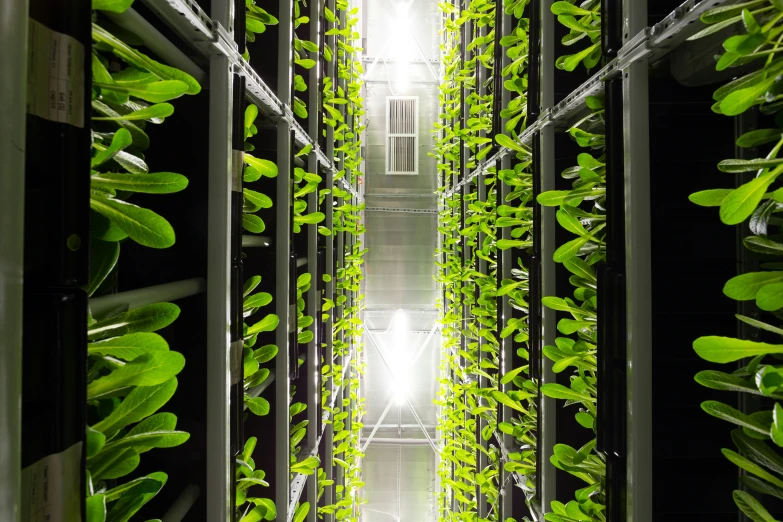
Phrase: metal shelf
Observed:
(195, 27)
(650, 45)
(298, 484)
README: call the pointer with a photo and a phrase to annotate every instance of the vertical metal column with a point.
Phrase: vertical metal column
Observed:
(638, 290)
(341, 354)
(313, 295)
(13, 86)
(282, 255)
(220, 463)
(329, 338)
(328, 463)
(636, 129)
(547, 410)
(505, 264)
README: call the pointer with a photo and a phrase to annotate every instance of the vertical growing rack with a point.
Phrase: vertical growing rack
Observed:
(214, 250)
(639, 100)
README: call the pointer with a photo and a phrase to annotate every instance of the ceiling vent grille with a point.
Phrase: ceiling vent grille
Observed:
(402, 137)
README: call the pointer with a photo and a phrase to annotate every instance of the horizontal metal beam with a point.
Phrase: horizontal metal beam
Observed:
(650, 44)
(370, 59)
(399, 442)
(405, 195)
(182, 505)
(133, 299)
(194, 26)
(157, 43)
(406, 310)
(398, 426)
(417, 82)
(402, 210)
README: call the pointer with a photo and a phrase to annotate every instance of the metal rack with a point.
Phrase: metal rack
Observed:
(638, 48)
(649, 45)
(209, 37)
(213, 40)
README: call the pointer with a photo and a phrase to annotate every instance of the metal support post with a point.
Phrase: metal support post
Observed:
(220, 464)
(638, 254)
(329, 337)
(313, 295)
(133, 299)
(13, 94)
(547, 409)
(282, 258)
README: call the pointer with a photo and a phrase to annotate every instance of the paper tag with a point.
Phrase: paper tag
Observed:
(237, 349)
(237, 170)
(55, 76)
(51, 488)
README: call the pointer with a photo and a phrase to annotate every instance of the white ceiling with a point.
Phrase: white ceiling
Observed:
(400, 479)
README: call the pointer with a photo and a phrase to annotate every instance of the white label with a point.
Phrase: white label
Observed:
(237, 170)
(55, 76)
(51, 488)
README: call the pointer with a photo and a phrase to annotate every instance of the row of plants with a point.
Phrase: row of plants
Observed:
(458, 397)
(123, 347)
(516, 216)
(131, 372)
(755, 369)
(343, 112)
(582, 212)
(249, 479)
(470, 388)
(758, 435)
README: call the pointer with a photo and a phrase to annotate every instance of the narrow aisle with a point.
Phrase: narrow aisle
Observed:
(401, 94)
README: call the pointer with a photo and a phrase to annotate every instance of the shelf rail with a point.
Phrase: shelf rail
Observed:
(209, 37)
(298, 484)
(648, 46)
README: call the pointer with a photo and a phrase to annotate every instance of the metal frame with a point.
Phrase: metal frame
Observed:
(285, 67)
(647, 46)
(208, 36)
(13, 89)
(547, 408)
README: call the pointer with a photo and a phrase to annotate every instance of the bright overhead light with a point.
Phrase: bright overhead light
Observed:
(404, 49)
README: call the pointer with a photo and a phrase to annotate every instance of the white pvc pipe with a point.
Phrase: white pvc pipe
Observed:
(182, 505)
(157, 43)
(146, 296)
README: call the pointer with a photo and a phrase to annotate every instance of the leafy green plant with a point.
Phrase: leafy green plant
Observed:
(759, 436)
(582, 213)
(131, 375)
(251, 508)
(254, 169)
(583, 19)
(247, 476)
(463, 401)
(256, 21)
(124, 103)
(131, 371)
